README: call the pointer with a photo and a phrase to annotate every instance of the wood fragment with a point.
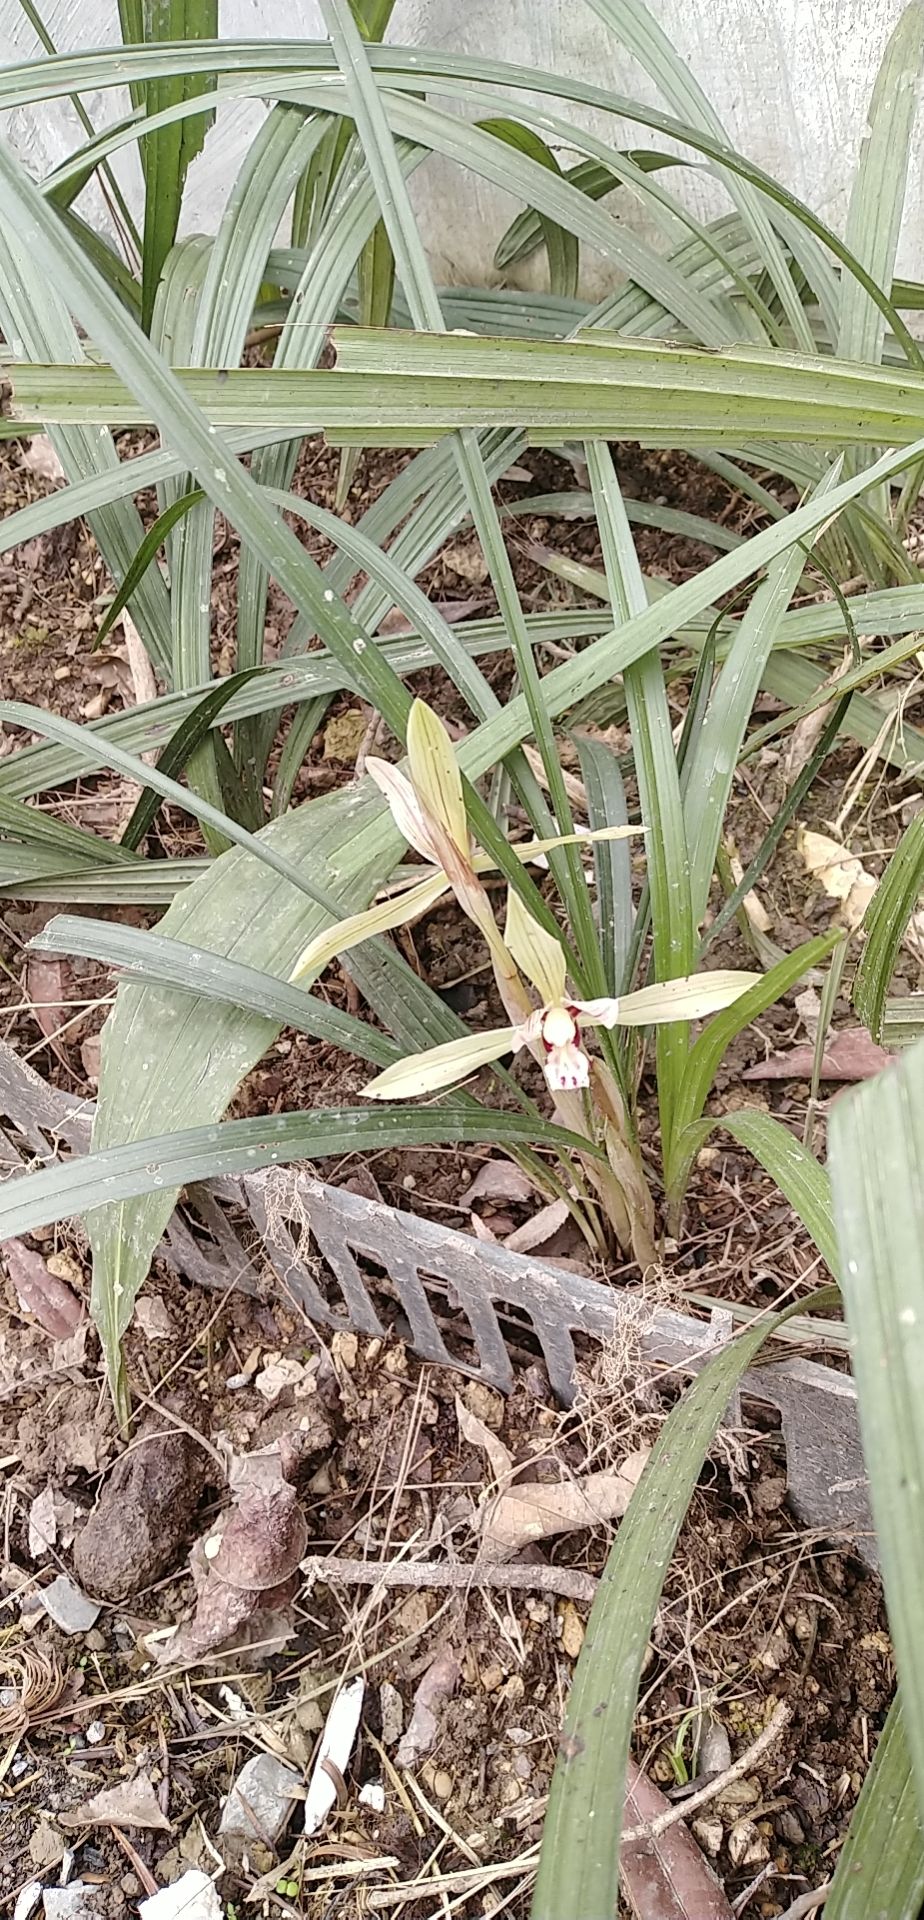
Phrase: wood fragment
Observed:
(568, 1582)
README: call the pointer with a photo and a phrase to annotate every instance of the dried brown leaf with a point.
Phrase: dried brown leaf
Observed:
(52, 1303)
(851, 1055)
(479, 1435)
(435, 1690)
(538, 1511)
(539, 1228)
(667, 1878)
(133, 1803)
(499, 1180)
(40, 458)
(50, 986)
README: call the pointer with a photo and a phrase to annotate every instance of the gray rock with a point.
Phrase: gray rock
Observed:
(70, 1903)
(68, 1607)
(261, 1801)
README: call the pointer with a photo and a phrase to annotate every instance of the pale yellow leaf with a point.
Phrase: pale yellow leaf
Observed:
(394, 912)
(537, 953)
(435, 774)
(440, 1066)
(691, 998)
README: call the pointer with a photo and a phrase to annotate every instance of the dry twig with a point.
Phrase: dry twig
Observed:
(779, 1718)
(568, 1582)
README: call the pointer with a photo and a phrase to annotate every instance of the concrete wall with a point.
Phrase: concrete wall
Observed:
(790, 79)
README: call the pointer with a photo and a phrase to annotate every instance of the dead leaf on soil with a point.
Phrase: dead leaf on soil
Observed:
(667, 1878)
(536, 1510)
(144, 682)
(499, 1180)
(51, 1522)
(242, 1571)
(153, 1318)
(39, 1292)
(539, 1228)
(325, 1787)
(395, 623)
(133, 1803)
(435, 1690)
(479, 1435)
(40, 458)
(50, 987)
(849, 1056)
(841, 873)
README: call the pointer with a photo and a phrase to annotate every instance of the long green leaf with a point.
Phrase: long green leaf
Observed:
(174, 963)
(189, 1155)
(404, 384)
(876, 1157)
(166, 155)
(885, 923)
(560, 245)
(579, 1861)
(880, 1868)
(796, 1171)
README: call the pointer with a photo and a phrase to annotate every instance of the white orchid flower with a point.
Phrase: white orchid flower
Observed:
(554, 1028)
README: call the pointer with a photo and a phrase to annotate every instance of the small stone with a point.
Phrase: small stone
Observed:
(714, 1754)
(791, 1828)
(491, 1678)
(70, 1903)
(769, 1493)
(193, 1897)
(27, 1900)
(777, 1652)
(372, 1795)
(392, 1710)
(710, 1833)
(747, 1846)
(261, 1801)
(47, 1846)
(572, 1630)
(68, 1607)
(442, 1784)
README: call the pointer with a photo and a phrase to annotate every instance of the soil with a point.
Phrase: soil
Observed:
(755, 1611)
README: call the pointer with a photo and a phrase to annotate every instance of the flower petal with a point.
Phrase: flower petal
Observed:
(567, 1068)
(394, 912)
(690, 998)
(406, 810)
(598, 1013)
(435, 772)
(439, 1066)
(537, 953)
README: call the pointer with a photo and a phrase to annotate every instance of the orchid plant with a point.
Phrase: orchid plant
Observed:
(530, 966)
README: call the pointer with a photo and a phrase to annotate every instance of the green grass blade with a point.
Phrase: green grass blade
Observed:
(191, 969)
(561, 246)
(166, 155)
(525, 234)
(887, 916)
(876, 1156)
(69, 734)
(146, 554)
(186, 1156)
(708, 1051)
(880, 1868)
(797, 1173)
(878, 196)
(579, 1862)
(606, 805)
(673, 932)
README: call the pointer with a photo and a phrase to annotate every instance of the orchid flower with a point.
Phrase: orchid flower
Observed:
(554, 1027)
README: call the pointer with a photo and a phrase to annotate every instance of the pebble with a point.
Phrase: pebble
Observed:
(710, 1833)
(193, 1897)
(261, 1801)
(392, 1707)
(442, 1785)
(27, 1900)
(68, 1607)
(70, 1903)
